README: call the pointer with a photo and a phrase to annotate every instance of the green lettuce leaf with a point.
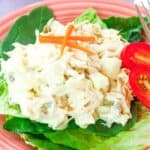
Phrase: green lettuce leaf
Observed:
(3, 87)
(73, 138)
(5, 107)
(23, 30)
(136, 139)
(24, 125)
(91, 16)
(77, 139)
(42, 143)
(130, 28)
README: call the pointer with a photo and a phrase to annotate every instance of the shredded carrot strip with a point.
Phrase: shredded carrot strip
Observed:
(49, 38)
(66, 37)
(67, 40)
(77, 46)
(73, 44)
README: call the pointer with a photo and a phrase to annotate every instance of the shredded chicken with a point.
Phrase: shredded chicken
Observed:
(76, 86)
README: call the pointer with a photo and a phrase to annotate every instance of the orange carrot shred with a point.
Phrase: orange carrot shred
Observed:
(72, 44)
(77, 46)
(49, 38)
(67, 40)
(66, 37)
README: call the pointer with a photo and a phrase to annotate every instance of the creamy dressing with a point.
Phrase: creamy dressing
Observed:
(76, 86)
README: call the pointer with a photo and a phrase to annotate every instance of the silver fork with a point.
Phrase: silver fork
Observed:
(146, 12)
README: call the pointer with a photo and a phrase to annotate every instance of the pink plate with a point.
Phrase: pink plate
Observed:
(65, 11)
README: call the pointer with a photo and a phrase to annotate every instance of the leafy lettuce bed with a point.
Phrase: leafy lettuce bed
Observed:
(134, 135)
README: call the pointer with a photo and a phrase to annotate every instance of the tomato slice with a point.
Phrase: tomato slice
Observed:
(136, 54)
(139, 79)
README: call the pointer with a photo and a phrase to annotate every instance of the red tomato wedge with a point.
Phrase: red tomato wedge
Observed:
(139, 79)
(136, 54)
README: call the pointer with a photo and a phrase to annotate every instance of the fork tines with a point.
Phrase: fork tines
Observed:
(146, 12)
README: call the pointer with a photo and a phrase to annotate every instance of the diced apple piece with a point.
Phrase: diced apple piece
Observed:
(100, 81)
(111, 67)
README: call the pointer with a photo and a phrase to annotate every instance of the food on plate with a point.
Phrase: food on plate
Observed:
(140, 83)
(76, 86)
(136, 54)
